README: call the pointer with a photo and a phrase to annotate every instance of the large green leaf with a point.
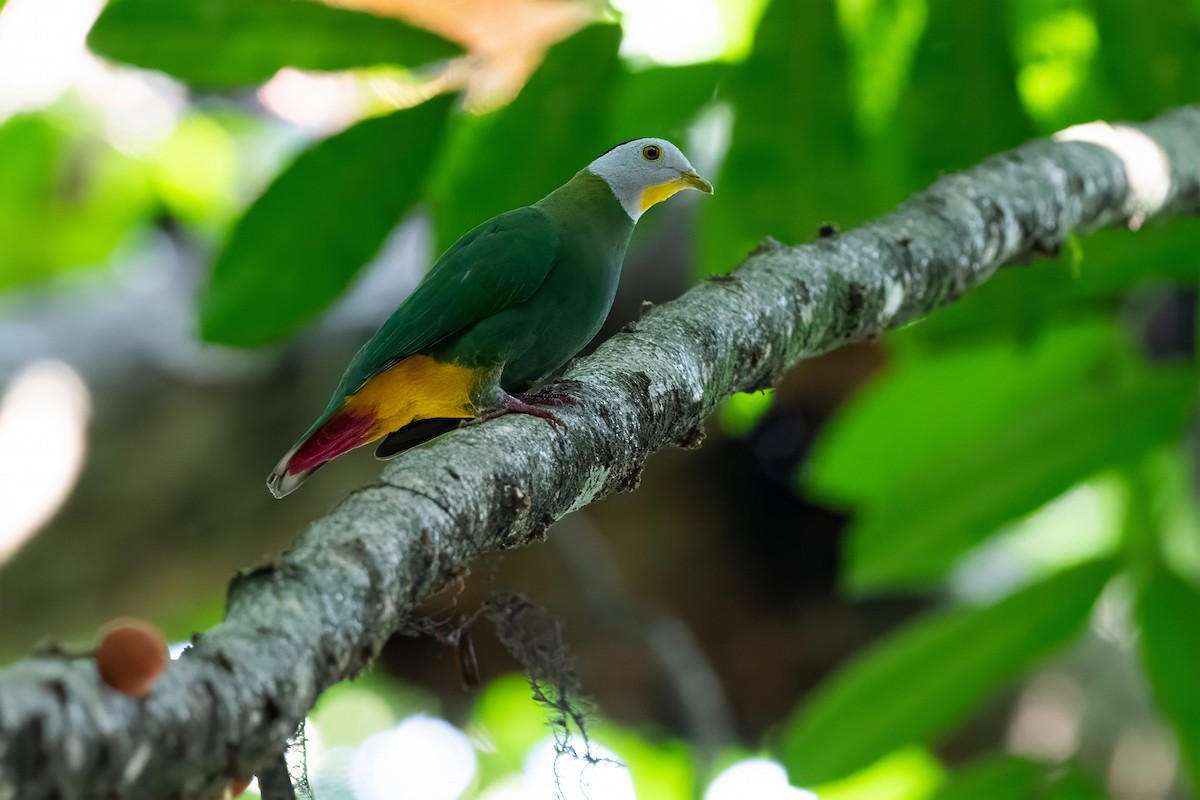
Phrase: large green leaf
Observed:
(516, 155)
(297, 248)
(997, 778)
(662, 101)
(1014, 778)
(919, 682)
(230, 42)
(1076, 785)
(1169, 614)
(923, 408)
(923, 523)
(962, 103)
(794, 161)
(1149, 54)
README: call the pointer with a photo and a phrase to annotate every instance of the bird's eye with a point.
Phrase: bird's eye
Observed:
(651, 152)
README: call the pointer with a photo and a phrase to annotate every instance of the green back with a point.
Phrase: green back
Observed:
(497, 265)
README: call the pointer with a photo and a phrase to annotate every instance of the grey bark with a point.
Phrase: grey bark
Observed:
(319, 613)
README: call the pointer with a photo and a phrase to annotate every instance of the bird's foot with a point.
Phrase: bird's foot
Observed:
(535, 404)
(557, 395)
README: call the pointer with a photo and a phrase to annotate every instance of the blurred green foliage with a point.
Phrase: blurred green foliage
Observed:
(515, 155)
(64, 206)
(767, 182)
(231, 42)
(1168, 608)
(327, 207)
(1014, 778)
(1037, 382)
(930, 674)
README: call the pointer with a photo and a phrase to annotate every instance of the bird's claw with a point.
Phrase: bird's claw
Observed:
(537, 404)
(550, 397)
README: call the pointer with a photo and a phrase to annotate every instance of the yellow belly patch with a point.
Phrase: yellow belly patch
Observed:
(656, 194)
(419, 387)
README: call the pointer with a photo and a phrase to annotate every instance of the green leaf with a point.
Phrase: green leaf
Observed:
(962, 104)
(662, 101)
(924, 522)
(908, 774)
(298, 247)
(997, 778)
(883, 39)
(922, 408)
(1155, 64)
(65, 200)
(1169, 614)
(231, 42)
(1024, 301)
(1013, 778)
(1056, 46)
(929, 675)
(1076, 785)
(794, 161)
(516, 155)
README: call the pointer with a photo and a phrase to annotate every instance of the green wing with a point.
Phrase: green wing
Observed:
(497, 265)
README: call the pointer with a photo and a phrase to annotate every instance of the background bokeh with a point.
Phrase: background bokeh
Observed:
(960, 561)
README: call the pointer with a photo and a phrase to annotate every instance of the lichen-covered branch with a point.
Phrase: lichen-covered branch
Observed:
(319, 613)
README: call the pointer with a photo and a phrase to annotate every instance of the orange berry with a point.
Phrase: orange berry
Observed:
(131, 655)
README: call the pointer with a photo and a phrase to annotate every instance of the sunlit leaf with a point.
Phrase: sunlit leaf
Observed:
(516, 155)
(924, 522)
(921, 409)
(1055, 45)
(883, 37)
(230, 42)
(507, 718)
(65, 200)
(908, 774)
(661, 101)
(795, 158)
(349, 713)
(664, 770)
(740, 413)
(998, 778)
(1169, 614)
(929, 675)
(297, 248)
(194, 169)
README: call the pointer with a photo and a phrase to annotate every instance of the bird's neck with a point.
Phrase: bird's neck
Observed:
(587, 203)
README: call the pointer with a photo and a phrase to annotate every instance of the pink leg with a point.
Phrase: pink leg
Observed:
(535, 405)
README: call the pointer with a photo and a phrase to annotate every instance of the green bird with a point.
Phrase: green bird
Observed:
(507, 305)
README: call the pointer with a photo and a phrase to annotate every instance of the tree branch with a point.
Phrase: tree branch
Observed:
(319, 613)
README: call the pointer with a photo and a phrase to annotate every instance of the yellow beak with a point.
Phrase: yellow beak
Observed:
(688, 179)
(693, 179)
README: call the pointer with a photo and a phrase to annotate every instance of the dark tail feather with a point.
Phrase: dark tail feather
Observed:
(414, 434)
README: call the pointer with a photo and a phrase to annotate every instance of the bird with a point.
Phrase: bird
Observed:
(501, 310)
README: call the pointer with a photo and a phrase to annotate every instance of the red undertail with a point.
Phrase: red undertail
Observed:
(340, 433)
